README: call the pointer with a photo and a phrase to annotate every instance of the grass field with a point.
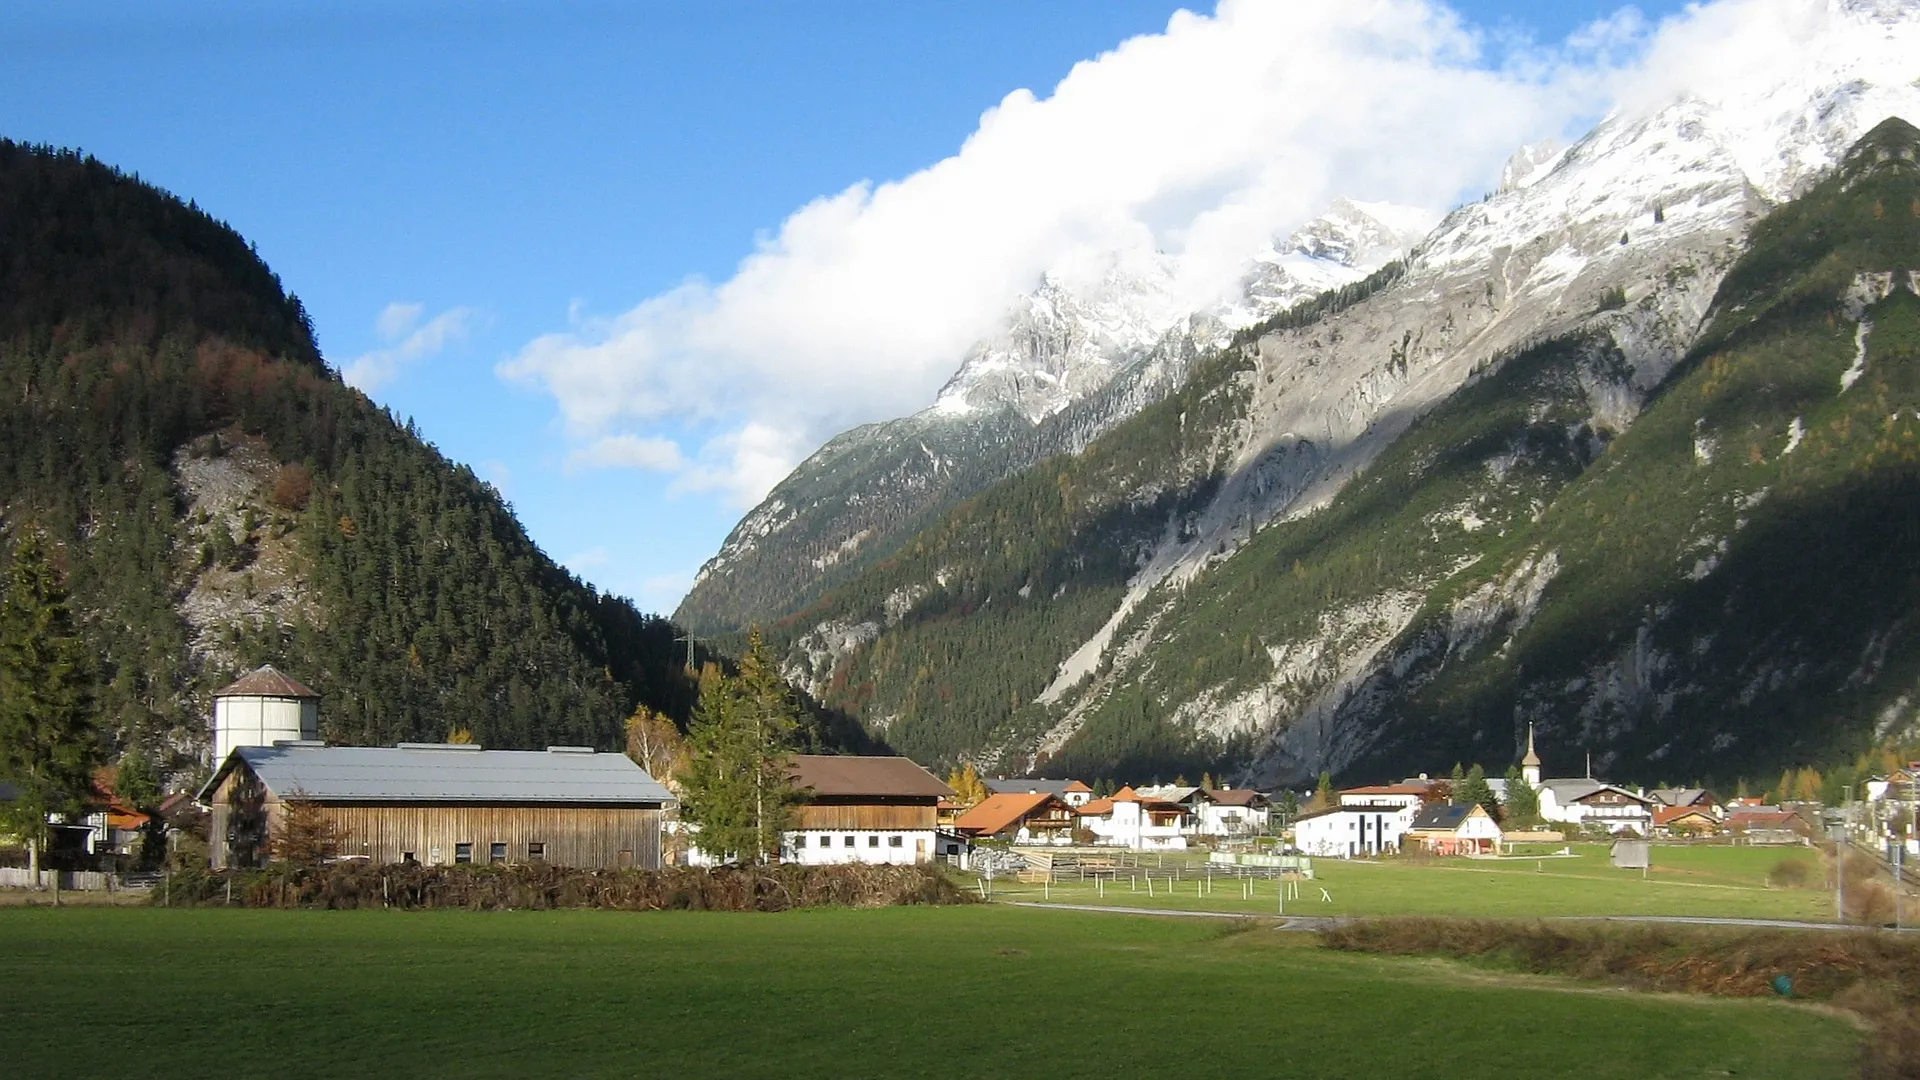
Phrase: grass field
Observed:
(900, 992)
(1691, 881)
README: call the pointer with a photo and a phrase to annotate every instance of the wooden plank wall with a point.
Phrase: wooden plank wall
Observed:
(863, 816)
(585, 837)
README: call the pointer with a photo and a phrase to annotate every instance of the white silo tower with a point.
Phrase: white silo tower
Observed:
(261, 709)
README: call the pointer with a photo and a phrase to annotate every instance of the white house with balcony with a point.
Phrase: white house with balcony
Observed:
(1129, 819)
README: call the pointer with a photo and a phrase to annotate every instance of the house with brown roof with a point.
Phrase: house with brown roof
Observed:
(864, 809)
(1023, 818)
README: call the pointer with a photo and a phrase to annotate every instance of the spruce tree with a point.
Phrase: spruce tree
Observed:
(48, 746)
(737, 785)
(1523, 802)
(1475, 790)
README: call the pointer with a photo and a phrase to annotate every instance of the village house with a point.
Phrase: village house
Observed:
(1072, 792)
(1454, 829)
(1694, 798)
(1022, 818)
(1586, 802)
(1129, 819)
(1684, 821)
(441, 804)
(864, 809)
(1234, 812)
(1354, 829)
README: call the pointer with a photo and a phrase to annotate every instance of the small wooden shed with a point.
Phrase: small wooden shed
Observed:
(442, 804)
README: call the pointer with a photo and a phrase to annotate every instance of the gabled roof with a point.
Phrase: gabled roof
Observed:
(1388, 789)
(999, 813)
(1353, 808)
(267, 681)
(1681, 796)
(421, 773)
(1126, 794)
(1667, 815)
(1075, 785)
(1237, 797)
(882, 777)
(1443, 817)
(1095, 808)
(1026, 785)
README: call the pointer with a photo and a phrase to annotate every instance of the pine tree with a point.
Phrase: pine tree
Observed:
(1523, 802)
(48, 745)
(737, 785)
(1474, 789)
(1457, 783)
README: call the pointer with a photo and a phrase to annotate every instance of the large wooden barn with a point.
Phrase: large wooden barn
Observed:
(442, 804)
(864, 809)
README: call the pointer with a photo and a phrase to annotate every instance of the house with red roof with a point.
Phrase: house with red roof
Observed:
(1023, 818)
(1132, 820)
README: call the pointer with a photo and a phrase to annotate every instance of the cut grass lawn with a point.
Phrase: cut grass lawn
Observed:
(1690, 881)
(899, 992)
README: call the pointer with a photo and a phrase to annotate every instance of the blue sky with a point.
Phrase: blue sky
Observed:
(444, 184)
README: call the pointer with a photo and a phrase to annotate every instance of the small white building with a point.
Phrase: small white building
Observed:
(1455, 829)
(1072, 792)
(1354, 829)
(261, 709)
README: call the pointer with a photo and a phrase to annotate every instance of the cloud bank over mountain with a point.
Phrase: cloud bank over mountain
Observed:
(1196, 142)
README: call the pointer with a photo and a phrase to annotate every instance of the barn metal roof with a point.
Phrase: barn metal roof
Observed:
(423, 773)
(267, 681)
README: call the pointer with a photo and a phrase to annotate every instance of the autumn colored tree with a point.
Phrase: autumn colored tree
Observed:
(655, 744)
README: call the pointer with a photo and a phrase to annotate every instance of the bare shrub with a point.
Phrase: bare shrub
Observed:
(1869, 903)
(1790, 873)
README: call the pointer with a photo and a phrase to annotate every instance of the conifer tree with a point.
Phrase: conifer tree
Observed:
(1474, 789)
(1523, 802)
(1323, 796)
(737, 785)
(48, 746)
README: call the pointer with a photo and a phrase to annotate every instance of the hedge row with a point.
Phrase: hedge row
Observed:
(538, 887)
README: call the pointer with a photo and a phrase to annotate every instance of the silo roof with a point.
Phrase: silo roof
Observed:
(268, 681)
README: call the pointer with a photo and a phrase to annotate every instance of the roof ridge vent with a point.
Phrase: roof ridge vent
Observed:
(570, 750)
(437, 746)
(305, 743)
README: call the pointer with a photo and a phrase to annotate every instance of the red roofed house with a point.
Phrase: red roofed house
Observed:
(1024, 818)
(1684, 821)
(1130, 820)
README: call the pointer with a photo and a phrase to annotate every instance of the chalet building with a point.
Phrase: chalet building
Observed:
(442, 804)
(1024, 818)
(1591, 802)
(1454, 829)
(1072, 792)
(1132, 820)
(1354, 829)
(1234, 812)
(864, 809)
(1689, 798)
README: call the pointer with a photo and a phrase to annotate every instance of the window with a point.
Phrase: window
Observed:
(497, 853)
(874, 840)
(463, 853)
(537, 852)
(895, 841)
(407, 856)
(847, 842)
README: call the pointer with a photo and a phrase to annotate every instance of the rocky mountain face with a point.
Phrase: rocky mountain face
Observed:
(1088, 348)
(218, 498)
(1412, 516)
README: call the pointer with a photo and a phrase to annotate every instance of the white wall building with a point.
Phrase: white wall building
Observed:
(1590, 802)
(1130, 820)
(1354, 829)
(261, 709)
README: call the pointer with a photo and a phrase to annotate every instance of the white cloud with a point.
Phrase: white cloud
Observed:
(407, 340)
(652, 454)
(1198, 141)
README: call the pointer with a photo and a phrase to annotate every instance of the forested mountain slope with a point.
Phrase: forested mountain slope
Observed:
(220, 499)
(1251, 575)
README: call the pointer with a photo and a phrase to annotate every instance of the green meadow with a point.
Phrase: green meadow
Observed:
(898, 992)
(1724, 882)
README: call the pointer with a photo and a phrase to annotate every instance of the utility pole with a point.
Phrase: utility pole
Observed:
(1840, 859)
(689, 639)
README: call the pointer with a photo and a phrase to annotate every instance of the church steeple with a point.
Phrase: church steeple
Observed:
(1530, 765)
